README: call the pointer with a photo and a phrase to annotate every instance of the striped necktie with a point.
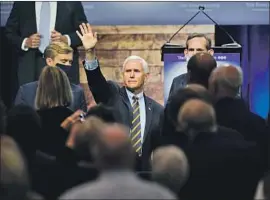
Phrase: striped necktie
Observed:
(135, 134)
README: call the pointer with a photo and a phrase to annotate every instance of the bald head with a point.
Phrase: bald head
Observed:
(170, 167)
(113, 148)
(226, 81)
(200, 67)
(196, 116)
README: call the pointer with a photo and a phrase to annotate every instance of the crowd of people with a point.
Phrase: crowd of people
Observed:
(204, 143)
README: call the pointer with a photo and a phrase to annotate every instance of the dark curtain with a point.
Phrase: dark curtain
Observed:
(255, 41)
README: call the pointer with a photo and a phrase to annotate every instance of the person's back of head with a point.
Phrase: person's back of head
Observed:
(196, 116)
(113, 150)
(2, 117)
(85, 136)
(177, 100)
(225, 81)
(103, 112)
(170, 167)
(24, 126)
(14, 177)
(53, 89)
(200, 67)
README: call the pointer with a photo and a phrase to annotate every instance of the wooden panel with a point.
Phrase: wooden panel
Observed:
(139, 41)
(158, 29)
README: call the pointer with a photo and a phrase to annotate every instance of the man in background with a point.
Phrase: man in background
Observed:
(57, 54)
(195, 43)
(31, 27)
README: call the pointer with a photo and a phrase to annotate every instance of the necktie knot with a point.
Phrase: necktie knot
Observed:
(135, 98)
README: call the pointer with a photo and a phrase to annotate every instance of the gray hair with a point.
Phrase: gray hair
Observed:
(134, 57)
(170, 167)
(230, 82)
(196, 116)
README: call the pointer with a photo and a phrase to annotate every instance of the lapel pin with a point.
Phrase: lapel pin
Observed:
(149, 108)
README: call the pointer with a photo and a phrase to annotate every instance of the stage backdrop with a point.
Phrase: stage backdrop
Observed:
(118, 42)
(141, 28)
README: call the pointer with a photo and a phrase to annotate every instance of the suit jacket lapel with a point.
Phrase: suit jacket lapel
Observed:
(149, 111)
(125, 99)
(31, 16)
(60, 14)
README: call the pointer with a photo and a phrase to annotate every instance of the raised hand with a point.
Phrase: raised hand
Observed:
(87, 37)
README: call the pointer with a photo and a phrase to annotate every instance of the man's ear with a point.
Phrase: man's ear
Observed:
(211, 52)
(49, 62)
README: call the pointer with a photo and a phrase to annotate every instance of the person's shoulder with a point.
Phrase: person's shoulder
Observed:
(229, 132)
(76, 88)
(156, 191)
(180, 77)
(79, 192)
(154, 103)
(30, 85)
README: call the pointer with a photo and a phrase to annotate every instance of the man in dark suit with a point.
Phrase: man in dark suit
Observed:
(134, 109)
(195, 43)
(32, 25)
(220, 168)
(231, 111)
(56, 54)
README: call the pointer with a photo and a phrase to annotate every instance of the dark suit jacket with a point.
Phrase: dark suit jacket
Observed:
(178, 82)
(52, 176)
(234, 113)
(27, 93)
(221, 167)
(115, 96)
(22, 23)
(53, 138)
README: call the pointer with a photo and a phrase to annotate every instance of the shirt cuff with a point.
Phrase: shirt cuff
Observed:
(23, 45)
(68, 39)
(90, 64)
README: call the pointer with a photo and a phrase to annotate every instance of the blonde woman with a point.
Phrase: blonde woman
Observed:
(53, 97)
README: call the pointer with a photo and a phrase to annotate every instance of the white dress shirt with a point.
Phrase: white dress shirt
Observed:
(142, 109)
(53, 10)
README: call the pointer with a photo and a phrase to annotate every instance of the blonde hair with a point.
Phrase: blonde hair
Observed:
(53, 89)
(55, 48)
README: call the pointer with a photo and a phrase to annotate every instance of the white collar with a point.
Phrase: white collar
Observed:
(131, 95)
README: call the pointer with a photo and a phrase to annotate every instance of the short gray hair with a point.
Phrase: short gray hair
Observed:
(170, 167)
(196, 116)
(232, 83)
(134, 57)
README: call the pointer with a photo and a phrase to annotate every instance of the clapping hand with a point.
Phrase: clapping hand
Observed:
(87, 37)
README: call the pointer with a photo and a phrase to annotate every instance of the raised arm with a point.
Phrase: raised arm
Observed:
(100, 88)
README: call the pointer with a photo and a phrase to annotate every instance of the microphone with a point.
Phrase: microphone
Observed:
(183, 26)
(201, 9)
(234, 44)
